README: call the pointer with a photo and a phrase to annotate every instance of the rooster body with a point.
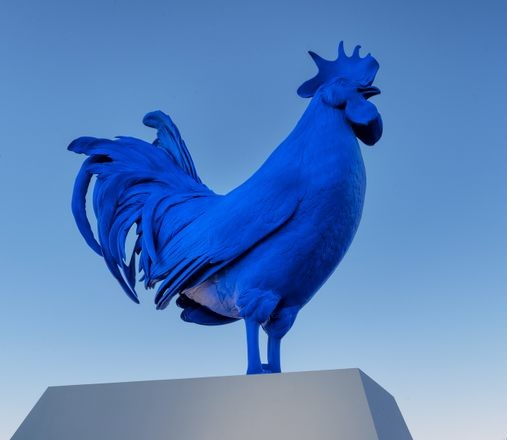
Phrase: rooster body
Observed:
(258, 253)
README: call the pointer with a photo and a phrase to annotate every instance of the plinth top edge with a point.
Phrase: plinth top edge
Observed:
(233, 377)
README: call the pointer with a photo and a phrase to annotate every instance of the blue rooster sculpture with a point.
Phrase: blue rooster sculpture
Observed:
(258, 253)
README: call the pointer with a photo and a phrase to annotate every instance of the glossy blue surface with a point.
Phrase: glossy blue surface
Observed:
(258, 253)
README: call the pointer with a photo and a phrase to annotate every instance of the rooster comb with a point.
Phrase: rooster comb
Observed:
(353, 68)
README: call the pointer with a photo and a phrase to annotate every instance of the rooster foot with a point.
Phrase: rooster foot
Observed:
(267, 369)
(263, 369)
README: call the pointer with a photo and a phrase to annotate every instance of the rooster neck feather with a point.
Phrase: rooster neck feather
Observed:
(322, 138)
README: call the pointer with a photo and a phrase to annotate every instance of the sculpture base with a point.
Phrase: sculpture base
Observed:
(336, 404)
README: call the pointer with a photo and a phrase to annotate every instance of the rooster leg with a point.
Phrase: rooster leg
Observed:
(277, 327)
(256, 306)
(274, 354)
(252, 339)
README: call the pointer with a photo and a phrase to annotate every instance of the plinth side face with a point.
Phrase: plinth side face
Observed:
(325, 405)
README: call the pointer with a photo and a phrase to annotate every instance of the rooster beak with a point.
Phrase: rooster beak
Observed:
(369, 91)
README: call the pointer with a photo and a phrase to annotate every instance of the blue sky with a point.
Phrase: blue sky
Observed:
(419, 302)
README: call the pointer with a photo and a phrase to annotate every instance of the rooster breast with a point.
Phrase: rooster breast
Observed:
(296, 260)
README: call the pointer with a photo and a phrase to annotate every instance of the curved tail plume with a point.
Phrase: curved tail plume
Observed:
(137, 184)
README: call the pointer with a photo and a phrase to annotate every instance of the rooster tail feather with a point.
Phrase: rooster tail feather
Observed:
(81, 184)
(135, 181)
(169, 138)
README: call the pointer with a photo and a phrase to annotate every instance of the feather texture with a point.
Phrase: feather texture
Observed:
(134, 178)
(186, 232)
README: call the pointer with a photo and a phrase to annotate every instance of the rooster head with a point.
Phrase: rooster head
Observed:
(346, 84)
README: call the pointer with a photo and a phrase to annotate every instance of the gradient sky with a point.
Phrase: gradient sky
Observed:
(419, 302)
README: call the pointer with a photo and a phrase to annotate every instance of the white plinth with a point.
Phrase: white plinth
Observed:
(320, 405)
